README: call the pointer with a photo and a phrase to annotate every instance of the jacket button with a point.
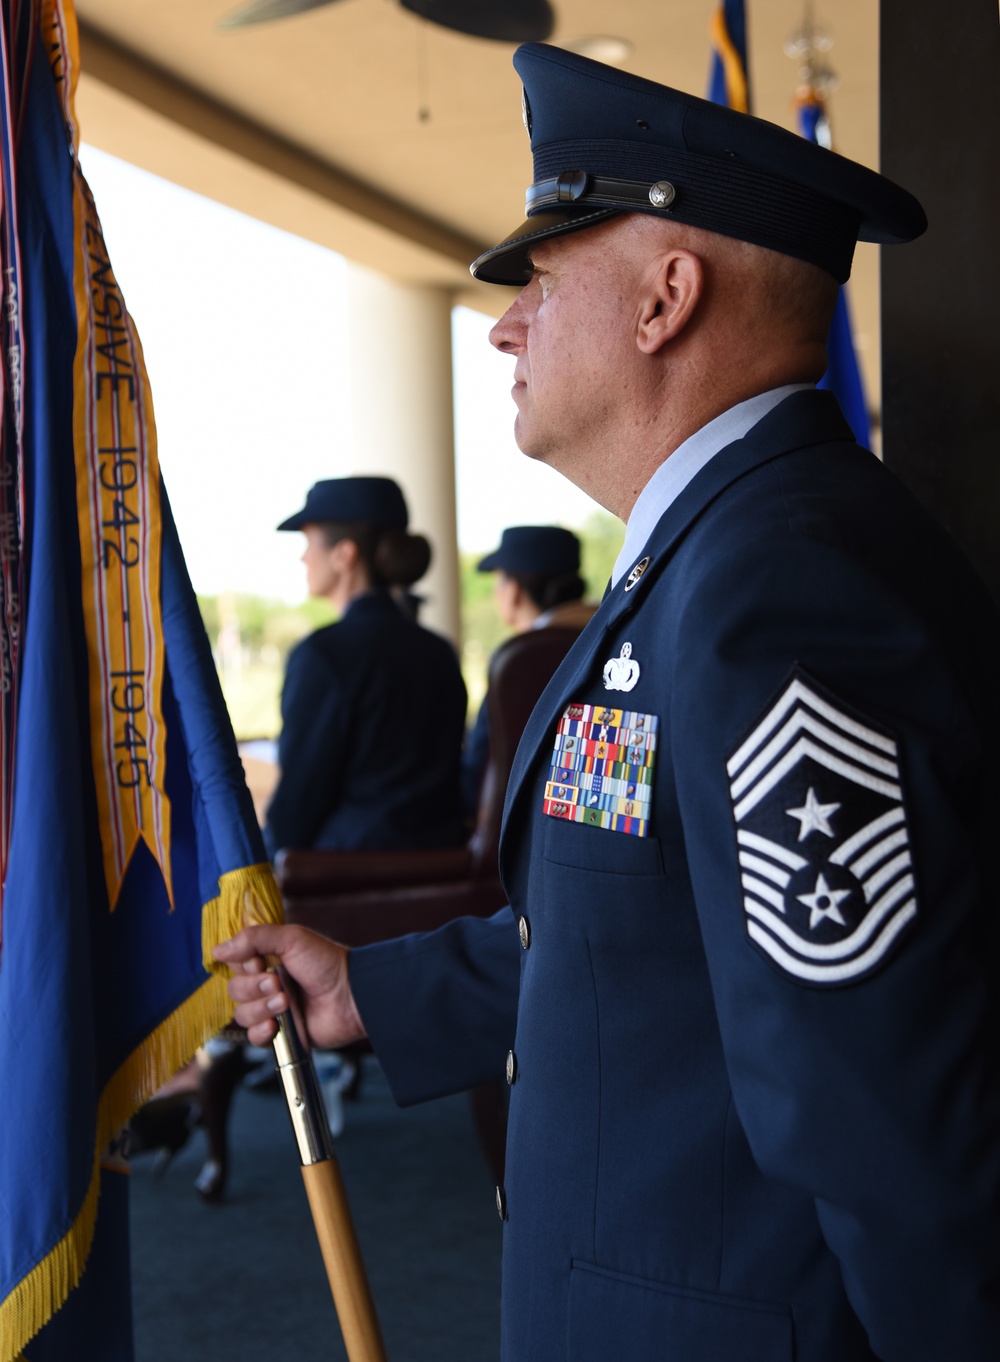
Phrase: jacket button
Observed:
(501, 1203)
(524, 932)
(511, 1066)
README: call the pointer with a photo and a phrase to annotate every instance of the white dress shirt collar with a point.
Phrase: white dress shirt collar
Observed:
(677, 470)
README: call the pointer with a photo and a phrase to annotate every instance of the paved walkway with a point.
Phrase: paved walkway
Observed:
(243, 1281)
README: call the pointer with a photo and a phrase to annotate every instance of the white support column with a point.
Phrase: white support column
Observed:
(399, 346)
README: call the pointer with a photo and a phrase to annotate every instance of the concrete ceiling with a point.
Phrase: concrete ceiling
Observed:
(314, 123)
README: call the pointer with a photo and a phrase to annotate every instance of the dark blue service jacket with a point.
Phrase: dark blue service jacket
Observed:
(754, 1112)
(373, 716)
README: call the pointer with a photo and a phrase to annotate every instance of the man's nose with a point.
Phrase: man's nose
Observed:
(509, 334)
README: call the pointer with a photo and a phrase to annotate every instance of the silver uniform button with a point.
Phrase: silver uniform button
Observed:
(501, 1202)
(662, 194)
(511, 1066)
(524, 932)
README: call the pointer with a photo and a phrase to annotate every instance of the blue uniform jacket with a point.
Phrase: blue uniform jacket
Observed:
(754, 1112)
(373, 715)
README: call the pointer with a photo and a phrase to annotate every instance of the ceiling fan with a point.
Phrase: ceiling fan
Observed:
(508, 21)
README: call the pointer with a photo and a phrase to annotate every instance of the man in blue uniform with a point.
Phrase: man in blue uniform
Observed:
(749, 982)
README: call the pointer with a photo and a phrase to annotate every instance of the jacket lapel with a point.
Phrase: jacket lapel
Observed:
(803, 419)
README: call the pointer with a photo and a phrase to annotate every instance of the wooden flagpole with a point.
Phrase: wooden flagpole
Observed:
(327, 1199)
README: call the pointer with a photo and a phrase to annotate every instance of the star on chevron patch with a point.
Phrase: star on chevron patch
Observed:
(824, 848)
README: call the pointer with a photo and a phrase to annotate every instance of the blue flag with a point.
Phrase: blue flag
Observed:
(128, 843)
(728, 79)
(842, 377)
(729, 84)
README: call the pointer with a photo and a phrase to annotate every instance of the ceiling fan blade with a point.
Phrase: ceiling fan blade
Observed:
(263, 11)
(507, 21)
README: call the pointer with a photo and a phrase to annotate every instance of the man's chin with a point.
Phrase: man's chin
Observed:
(530, 446)
(534, 444)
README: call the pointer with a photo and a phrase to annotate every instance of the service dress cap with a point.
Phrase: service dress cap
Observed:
(606, 142)
(545, 550)
(367, 500)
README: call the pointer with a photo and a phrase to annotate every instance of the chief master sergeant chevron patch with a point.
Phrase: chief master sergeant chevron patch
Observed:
(822, 836)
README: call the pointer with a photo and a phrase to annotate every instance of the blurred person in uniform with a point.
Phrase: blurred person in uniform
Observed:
(536, 585)
(748, 982)
(373, 706)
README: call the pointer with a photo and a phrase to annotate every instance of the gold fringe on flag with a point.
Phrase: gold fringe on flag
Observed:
(246, 895)
(40, 1294)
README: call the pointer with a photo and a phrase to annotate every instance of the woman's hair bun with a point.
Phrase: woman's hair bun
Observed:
(401, 558)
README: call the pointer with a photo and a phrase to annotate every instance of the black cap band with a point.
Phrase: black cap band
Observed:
(729, 197)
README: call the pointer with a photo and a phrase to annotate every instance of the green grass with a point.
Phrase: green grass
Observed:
(253, 699)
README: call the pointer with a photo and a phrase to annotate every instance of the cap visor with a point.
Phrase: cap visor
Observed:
(510, 262)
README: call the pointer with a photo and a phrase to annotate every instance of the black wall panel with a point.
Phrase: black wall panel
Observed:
(940, 137)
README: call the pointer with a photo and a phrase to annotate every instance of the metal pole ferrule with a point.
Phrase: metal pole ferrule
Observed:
(302, 1094)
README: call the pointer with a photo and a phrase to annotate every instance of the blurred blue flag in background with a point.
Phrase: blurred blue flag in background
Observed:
(728, 78)
(842, 377)
(128, 843)
(729, 84)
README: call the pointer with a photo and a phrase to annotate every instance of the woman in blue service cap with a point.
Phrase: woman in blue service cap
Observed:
(373, 706)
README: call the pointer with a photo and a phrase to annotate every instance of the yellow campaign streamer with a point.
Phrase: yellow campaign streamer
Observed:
(118, 503)
(58, 21)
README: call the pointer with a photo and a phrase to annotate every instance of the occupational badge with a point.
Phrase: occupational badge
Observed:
(622, 672)
(821, 828)
(637, 572)
(602, 769)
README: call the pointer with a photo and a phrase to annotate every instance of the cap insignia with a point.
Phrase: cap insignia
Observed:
(662, 194)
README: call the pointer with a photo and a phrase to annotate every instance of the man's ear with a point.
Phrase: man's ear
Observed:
(674, 286)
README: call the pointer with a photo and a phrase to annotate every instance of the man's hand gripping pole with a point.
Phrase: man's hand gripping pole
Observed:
(331, 1214)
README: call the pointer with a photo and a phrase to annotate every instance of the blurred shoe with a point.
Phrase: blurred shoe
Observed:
(334, 1073)
(210, 1182)
(163, 1126)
